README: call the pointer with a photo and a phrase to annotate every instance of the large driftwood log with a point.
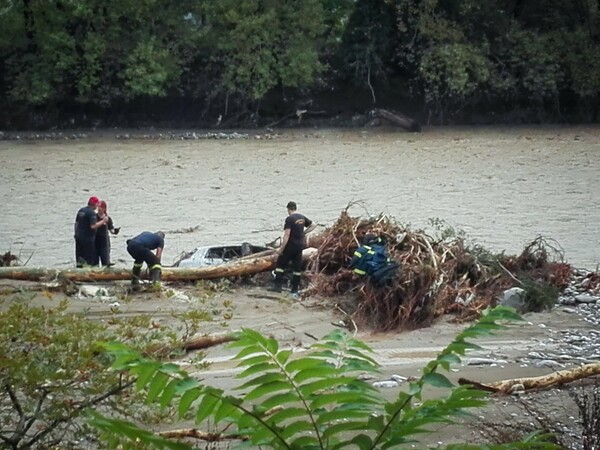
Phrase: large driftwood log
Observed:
(235, 268)
(194, 433)
(398, 119)
(544, 381)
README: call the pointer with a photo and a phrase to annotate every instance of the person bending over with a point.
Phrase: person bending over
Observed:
(141, 249)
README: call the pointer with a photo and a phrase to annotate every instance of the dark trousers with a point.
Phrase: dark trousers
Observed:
(102, 250)
(85, 252)
(291, 253)
(142, 254)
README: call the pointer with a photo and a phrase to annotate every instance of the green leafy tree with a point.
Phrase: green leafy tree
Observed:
(314, 401)
(94, 52)
(259, 45)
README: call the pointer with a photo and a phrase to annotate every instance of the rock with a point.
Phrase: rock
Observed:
(92, 291)
(515, 298)
(483, 361)
(586, 298)
(398, 378)
(549, 363)
(385, 384)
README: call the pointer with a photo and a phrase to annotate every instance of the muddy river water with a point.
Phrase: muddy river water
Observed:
(502, 186)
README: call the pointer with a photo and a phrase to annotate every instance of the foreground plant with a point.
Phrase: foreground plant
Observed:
(314, 401)
(52, 371)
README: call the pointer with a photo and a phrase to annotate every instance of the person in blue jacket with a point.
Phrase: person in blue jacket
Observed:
(371, 259)
(141, 249)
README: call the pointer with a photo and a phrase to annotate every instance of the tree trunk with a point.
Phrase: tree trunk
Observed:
(235, 268)
(544, 381)
(398, 119)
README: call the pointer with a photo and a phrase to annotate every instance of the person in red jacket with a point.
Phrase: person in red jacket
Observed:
(103, 237)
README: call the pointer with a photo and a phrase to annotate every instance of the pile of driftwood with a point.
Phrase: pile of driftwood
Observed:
(436, 276)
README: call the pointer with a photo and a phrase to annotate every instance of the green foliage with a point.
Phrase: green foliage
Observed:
(539, 296)
(258, 45)
(451, 56)
(52, 371)
(311, 401)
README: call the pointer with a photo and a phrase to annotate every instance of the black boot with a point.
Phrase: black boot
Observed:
(295, 284)
(135, 275)
(155, 275)
(278, 282)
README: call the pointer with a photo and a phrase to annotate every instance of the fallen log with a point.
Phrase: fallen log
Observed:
(398, 119)
(541, 382)
(194, 433)
(236, 268)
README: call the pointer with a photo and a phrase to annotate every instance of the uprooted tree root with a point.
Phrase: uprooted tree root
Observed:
(435, 277)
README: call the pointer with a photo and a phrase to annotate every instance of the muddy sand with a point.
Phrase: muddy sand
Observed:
(298, 324)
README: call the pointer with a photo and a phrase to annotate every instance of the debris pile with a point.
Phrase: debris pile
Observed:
(436, 276)
(8, 259)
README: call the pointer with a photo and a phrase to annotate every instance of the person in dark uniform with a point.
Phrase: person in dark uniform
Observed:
(140, 248)
(295, 228)
(86, 224)
(102, 236)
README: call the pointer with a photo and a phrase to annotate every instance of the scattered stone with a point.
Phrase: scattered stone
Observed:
(515, 298)
(586, 298)
(398, 378)
(485, 361)
(549, 363)
(385, 384)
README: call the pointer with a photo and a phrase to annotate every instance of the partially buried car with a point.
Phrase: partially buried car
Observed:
(218, 254)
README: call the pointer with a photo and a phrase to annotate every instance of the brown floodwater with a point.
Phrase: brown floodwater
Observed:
(502, 186)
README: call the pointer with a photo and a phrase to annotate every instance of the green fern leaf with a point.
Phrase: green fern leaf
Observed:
(257, 368)
(304, 363)
(333, 430)
(263, 379)
(437, 380)
(362, 441)
(267, 388)
(306, 443)
(343, 414)
(253, 360)
(299, 426)
(225, 410)
(283, 356)
(156, 386)
(145, 372)
(280, 399)
(168, 393)
(187, 399)
(207, 406)
(328, 383)
(347, 397)
(287, 413)
(317, 372)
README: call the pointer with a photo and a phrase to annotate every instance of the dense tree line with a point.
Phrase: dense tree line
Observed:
(79, 62)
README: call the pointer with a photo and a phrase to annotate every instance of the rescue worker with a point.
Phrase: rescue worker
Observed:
(140, 248)
(295, 228)
(103, 238)
(86, 224)
(371, 259)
